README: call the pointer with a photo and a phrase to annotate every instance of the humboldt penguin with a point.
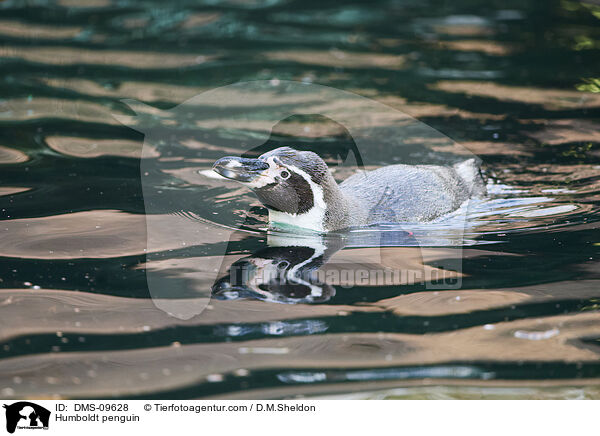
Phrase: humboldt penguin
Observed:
(299, 190)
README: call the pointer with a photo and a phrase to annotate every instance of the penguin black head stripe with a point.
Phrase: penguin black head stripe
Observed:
(298, 189)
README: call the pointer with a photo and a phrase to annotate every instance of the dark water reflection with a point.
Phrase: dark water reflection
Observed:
(513, 82)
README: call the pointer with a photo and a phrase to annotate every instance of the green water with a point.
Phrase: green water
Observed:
(514, 83)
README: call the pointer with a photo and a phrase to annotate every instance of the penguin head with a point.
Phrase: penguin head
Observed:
(290, 183)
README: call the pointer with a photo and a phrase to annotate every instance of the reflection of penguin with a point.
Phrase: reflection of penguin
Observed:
(283, 272)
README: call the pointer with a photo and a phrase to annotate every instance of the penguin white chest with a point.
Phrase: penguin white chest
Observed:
(313, 219)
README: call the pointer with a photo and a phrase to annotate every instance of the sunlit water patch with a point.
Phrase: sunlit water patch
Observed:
(501, 304)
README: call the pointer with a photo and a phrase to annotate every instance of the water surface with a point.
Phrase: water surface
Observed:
(514, 83)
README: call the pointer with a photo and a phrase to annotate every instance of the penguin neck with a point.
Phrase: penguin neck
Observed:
(330, 209)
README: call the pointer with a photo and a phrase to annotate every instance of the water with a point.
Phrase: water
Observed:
(511, 82)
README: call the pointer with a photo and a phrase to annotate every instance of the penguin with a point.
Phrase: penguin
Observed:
(298, 190)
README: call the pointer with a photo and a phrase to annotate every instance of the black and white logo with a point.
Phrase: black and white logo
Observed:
(26, 415)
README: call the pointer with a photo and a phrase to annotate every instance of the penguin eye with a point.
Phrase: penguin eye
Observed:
(283, 264)
(284, 174)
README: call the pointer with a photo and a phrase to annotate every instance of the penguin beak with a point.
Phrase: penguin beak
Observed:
(239, 168)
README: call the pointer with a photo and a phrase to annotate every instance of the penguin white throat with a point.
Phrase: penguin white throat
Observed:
(296, 187)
